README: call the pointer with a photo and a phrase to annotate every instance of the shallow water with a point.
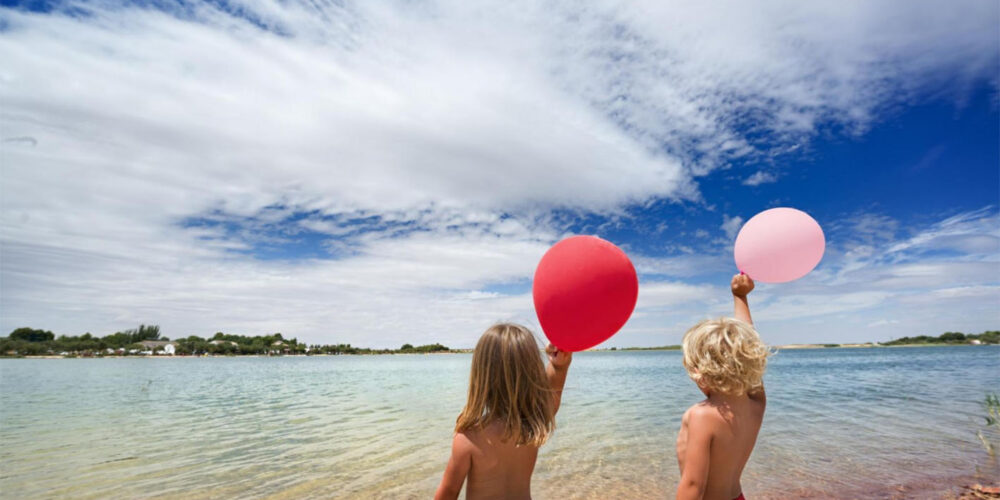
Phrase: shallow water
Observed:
(847, 423)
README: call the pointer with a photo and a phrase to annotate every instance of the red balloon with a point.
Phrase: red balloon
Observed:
(585, 289)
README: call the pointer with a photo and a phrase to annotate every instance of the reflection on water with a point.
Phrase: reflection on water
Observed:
(840, 423)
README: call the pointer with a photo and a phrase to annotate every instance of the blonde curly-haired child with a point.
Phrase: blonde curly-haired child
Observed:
(726, 358)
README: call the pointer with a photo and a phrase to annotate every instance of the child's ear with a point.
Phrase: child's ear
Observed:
(700, 383)
(707, 391)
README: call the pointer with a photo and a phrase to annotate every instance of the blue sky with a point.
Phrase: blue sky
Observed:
(381, 174)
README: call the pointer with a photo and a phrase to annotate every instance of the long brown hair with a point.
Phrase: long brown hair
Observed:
(508, 385)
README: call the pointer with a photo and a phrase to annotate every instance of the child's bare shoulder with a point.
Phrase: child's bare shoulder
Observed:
(477, 438)
(702, 414)
(465, 441)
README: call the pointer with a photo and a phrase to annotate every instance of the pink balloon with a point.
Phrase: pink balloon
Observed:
(779, 245)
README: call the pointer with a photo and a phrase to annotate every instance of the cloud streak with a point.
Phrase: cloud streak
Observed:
(423, 153)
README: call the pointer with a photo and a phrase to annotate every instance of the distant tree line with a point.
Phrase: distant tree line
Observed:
(660, 348)
(349, 349)
(407, 348)
(222, 343)
(987, 337)
(31, 342)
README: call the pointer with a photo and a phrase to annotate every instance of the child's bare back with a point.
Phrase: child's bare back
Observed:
(510, 412)
(498, 469)
(730, 424)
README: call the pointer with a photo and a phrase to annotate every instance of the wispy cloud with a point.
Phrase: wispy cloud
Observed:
(731, 225)
(425, 148)
(930, 280)
(882, 322)
(760, 177)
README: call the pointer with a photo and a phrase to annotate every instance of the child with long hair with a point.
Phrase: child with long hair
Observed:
(510, 412)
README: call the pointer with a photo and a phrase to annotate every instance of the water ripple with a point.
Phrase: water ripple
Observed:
(843, 422)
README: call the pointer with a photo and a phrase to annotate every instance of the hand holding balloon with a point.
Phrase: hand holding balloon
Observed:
(559, 359)
(741, 285)
(556, 372)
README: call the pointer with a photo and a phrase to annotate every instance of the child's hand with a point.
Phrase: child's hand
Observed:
(559, 360)
(741, 285)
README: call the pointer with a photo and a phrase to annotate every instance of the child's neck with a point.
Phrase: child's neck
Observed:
(716, 397)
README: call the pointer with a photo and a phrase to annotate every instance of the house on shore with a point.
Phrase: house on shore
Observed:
(168, 347)
(280, 347)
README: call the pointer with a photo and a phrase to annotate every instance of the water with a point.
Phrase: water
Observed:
(848, 423)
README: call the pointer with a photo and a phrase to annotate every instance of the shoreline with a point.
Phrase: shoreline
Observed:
(866, 345)
(869, 346)
(182, 356)
(468, 351)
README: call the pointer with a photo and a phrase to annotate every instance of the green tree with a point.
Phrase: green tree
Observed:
(144, 332)
(952, 337)
(31, 335)
(990, 337)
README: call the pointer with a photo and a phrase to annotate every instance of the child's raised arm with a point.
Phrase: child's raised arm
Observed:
(741, 286)
(556, 371)
(458, 468)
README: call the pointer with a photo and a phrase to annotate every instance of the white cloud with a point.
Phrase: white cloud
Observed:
(974, 232)
(760, 177)
(877, 280)
(683, 266)
(882, 322)
(464, 123)
(421, 288)
(908, 277)
(793, 306)
(665, 294)
(870, 227)
(731, 225)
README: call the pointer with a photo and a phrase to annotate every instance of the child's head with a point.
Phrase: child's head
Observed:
(508, 385)
(725, 355)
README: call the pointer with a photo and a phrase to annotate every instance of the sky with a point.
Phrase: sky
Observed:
(380, 173)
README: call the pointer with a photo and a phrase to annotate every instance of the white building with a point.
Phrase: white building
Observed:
(167, 346)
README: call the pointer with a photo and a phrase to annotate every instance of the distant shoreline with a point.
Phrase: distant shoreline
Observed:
(146, 341)
(870, 345)
(469, 351)
(180, 356)
(799, 346)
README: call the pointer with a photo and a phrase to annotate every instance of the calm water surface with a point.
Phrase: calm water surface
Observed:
(847, 423)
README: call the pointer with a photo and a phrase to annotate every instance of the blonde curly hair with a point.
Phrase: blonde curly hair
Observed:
(725, 355)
